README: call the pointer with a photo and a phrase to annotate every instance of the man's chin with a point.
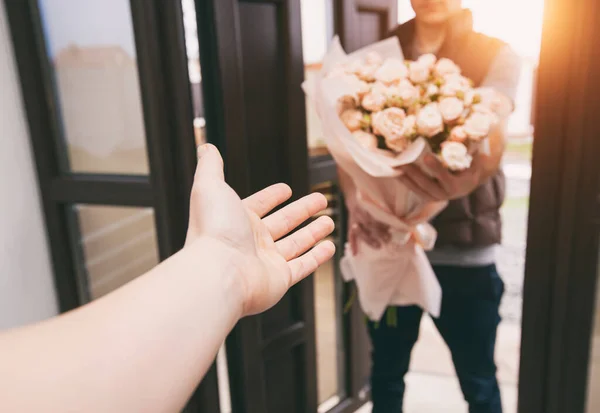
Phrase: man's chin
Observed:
(433, 19)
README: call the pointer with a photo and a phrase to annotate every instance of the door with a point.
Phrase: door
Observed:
(560, 312)
(108, 103)
(252, 72)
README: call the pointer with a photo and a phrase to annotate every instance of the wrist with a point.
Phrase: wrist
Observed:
(223, 265)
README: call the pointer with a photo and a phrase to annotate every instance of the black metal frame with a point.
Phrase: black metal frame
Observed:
(168, 119)
(564, 219)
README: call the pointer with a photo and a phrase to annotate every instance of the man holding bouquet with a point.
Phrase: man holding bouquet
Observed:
(469, 229)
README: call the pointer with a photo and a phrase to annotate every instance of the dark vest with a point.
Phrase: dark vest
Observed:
(472, 221)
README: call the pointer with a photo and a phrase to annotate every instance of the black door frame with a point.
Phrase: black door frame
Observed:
(168, 120)
(564, 219)
(249, 347)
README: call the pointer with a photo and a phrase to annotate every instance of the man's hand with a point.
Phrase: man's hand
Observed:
(266, 260)
(363, 228)
(443, 185)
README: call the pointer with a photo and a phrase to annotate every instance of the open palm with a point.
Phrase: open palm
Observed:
(268, 263)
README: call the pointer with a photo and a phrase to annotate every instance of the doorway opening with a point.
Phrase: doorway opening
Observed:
(431, 369)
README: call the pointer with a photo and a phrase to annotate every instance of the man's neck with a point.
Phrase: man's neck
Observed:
(429, 38)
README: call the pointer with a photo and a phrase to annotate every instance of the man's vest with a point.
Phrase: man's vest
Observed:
(472, 221)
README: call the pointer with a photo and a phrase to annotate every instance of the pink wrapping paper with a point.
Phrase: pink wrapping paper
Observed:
(399, 273)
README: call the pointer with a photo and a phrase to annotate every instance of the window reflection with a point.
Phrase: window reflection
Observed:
(116, 245)
(92, 50)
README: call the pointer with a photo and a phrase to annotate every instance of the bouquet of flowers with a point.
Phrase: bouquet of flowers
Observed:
(391, 103)
(379, 112)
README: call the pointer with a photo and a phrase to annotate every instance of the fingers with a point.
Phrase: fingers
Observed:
(373, 238)
(210, 164)
(306, 238)
(368, 237)
(285, 220)
(368, 223)
(307, 264)
(382, 232)
(439, 171)
(422, 184)
(262, 202)
(408, 182)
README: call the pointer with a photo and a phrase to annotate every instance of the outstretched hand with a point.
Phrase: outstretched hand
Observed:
(267, 261)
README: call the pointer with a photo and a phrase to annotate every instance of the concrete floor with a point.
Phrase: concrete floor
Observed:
(448, 396)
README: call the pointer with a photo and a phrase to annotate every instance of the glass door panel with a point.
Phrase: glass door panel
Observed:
(91, 50)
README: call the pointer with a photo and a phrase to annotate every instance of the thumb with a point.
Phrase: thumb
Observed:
(210, 164)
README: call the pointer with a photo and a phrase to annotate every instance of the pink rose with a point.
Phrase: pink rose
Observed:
(374, 101)
(432, 90)
(451, 109)
(345, 103)
(409, 126)
(365, 139)
(366, 72)
(478, 125)
(445, 67)
(486, 110)
(362, 88)
(488, 96)
(380, 87)
(455, 85)
(392, 70)
(362, 70)
(428, 60)
(404, 94)
(388, 123)
(398, 144)
(374, 58)
(429, 120)
(458, 134)
(353, 119)
(418, 72)
(455, 156)
(472, 97)
(355, 86)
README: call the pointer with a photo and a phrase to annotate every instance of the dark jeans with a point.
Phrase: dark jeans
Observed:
(468, 323)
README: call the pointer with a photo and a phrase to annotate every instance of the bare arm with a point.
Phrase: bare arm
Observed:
(143, 348)
(146, 346)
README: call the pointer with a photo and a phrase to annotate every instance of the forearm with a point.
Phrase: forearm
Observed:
(497, 142)
(143, 348)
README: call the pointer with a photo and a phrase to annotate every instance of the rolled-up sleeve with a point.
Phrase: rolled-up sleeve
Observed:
(503, 74)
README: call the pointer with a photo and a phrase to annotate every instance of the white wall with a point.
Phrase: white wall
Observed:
(26, 286)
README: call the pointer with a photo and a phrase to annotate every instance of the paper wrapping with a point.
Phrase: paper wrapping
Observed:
(399, 273)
